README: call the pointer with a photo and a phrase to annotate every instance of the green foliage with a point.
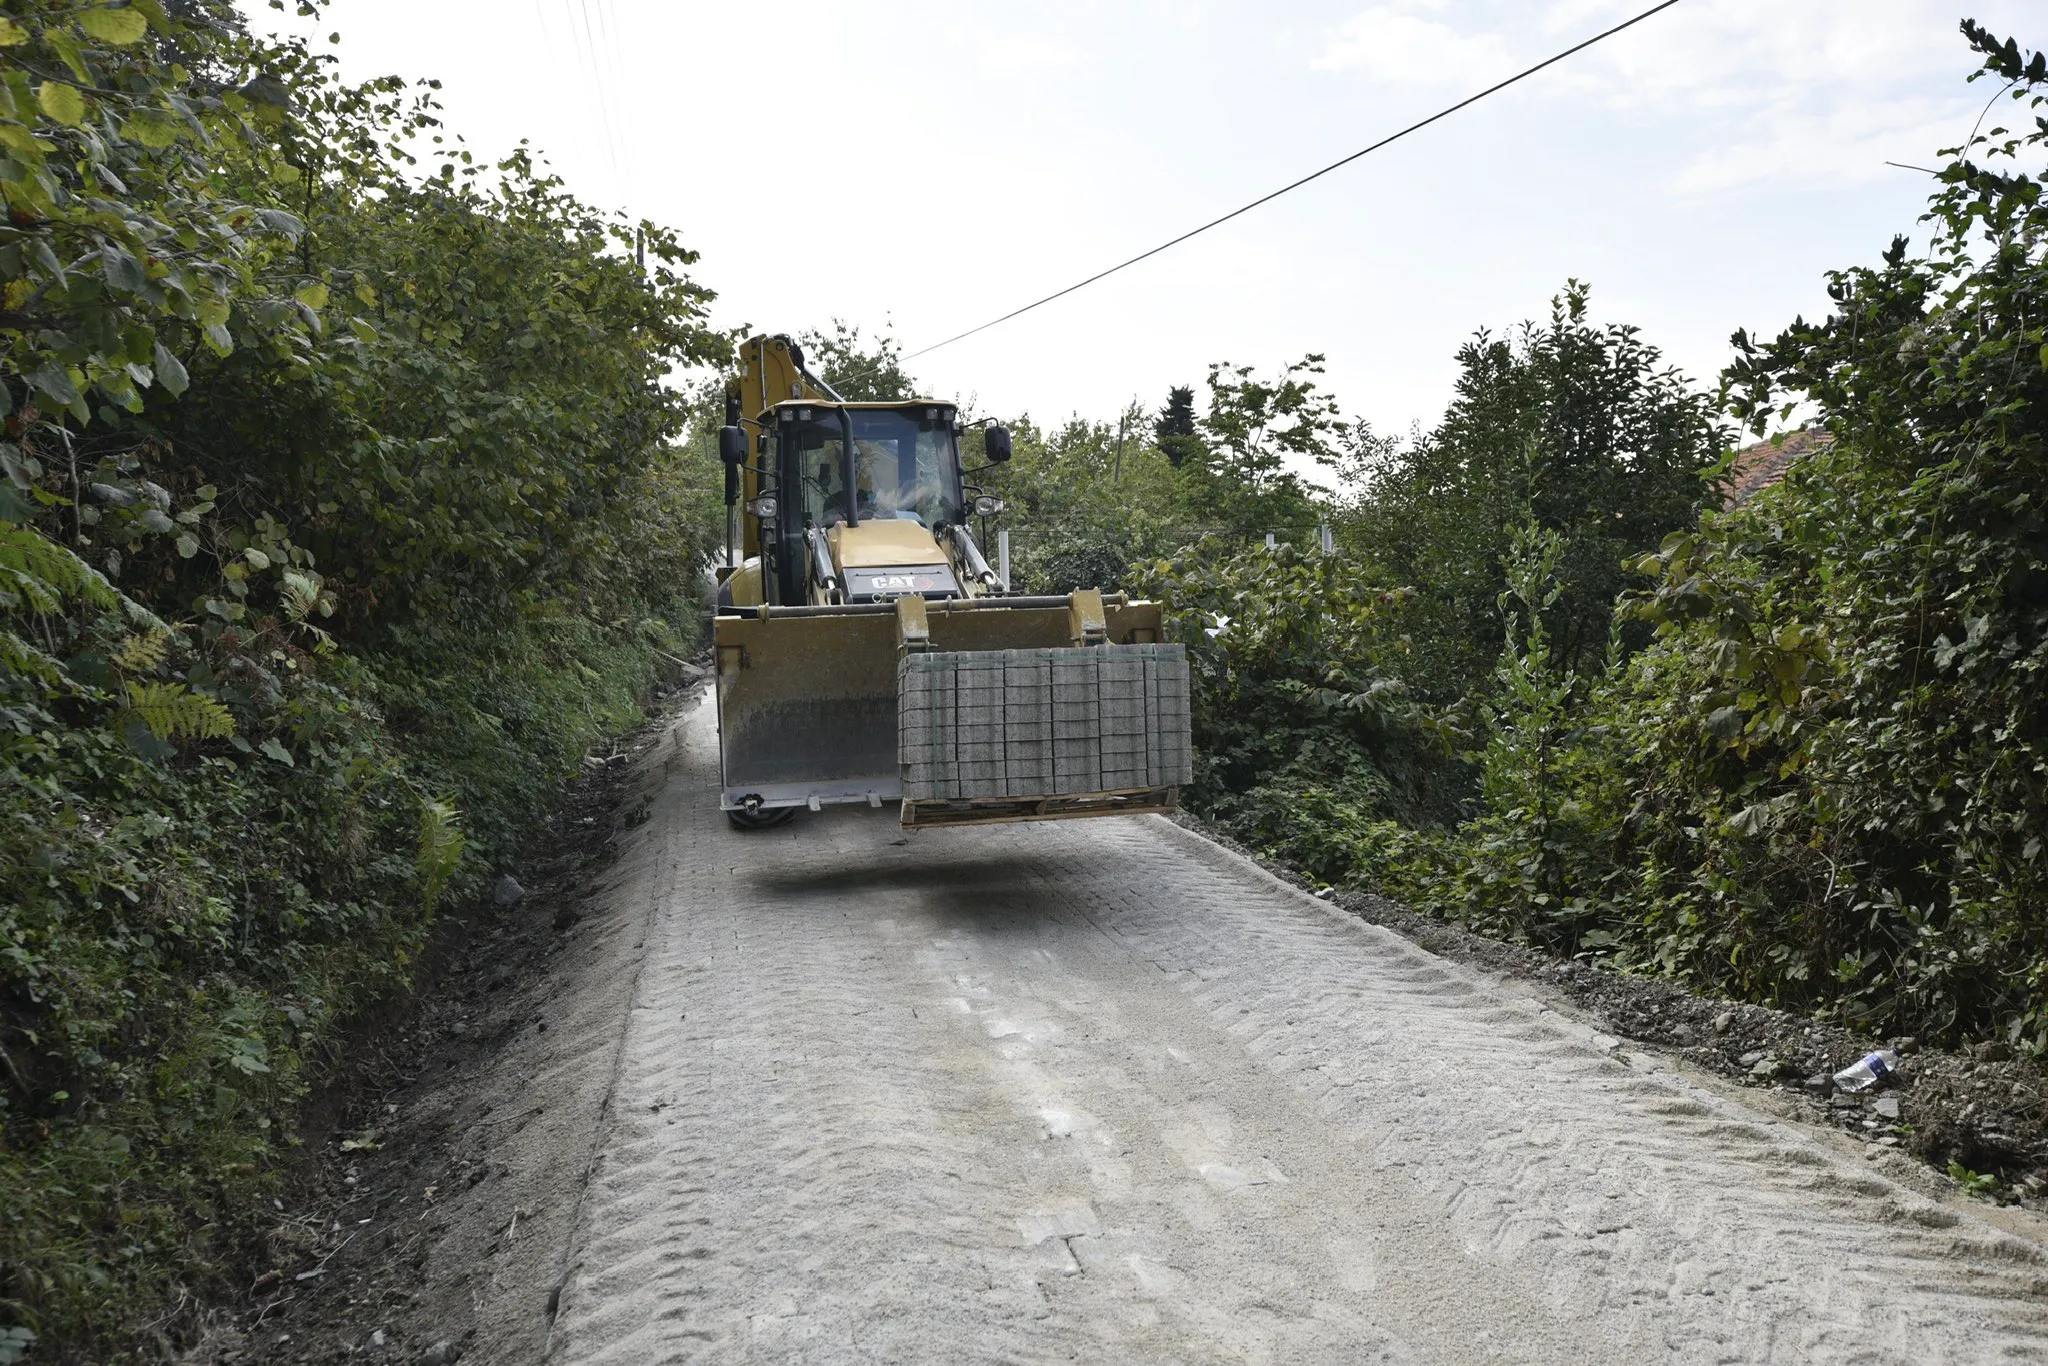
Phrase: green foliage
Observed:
(39, 576)
(856, 371)
(499, 733)
(1576, 427)
(1823, 783)
(336, 499)
(1087, 503)
(1563, 444)
(120, 245)
(1174, 432)
(1234, 475)
(172, 713)
(1512, 870)
(441, 842)
(1303, 730)
(1973, 1183)
(1091, 502)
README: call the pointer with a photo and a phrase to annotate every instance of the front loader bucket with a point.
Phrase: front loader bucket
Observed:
(807, 709)
(880, 702)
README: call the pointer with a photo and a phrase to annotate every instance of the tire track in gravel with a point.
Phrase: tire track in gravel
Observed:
(1101, 1091)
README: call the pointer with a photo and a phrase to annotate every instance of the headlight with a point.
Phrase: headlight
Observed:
(988, 505)
(763, 507)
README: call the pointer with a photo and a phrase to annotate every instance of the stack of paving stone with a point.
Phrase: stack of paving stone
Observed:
(1015, 724)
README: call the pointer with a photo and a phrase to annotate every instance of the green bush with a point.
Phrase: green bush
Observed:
(341, 509)
(1549, 776)
(1302, 727)
(1825, 784)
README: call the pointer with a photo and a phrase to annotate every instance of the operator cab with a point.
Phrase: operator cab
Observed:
(869, 487)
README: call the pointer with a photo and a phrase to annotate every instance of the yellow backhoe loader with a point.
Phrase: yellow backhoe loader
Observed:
(867, 652)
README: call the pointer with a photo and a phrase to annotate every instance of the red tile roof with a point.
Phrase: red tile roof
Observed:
(1758, 467)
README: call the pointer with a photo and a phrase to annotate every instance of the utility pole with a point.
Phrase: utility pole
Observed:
(1121, 424)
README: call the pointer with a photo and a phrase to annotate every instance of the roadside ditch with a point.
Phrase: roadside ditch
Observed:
(343, 1272)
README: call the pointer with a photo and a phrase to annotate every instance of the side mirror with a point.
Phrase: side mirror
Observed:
(996, 444)
(732, 445)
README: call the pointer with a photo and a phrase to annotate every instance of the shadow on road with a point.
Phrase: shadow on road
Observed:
(937, 875)
(1001, 877)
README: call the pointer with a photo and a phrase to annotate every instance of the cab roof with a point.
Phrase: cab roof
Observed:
(851, 403)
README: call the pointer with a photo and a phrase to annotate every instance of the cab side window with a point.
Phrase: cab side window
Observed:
(822, 468)
(934, 448)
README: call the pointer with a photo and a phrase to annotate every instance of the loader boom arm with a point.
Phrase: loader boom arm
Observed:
(772, 371)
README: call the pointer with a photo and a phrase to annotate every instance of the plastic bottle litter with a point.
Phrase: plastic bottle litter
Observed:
(1874, 1068)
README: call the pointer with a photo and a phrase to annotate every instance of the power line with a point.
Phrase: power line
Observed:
(606, 16)
(595, 66)
(576, 39)
(1316, 175)
(599, 81)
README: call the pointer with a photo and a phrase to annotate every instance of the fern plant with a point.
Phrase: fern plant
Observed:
(441, 842)
(299, 592)
(40, 575)
(18, 656)
(144, 652)
(172, 712)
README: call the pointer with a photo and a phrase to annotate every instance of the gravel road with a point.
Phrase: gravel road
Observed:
(1101, 1091)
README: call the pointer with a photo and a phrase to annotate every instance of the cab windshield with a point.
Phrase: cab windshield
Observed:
(903, 465)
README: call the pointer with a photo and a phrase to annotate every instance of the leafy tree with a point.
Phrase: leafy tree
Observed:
(1576, 427)
(101, 300)
(1236, 482)
(1850, 787)
(1087, 504)
(855, 370)
(1174, 432)
(1546, 780)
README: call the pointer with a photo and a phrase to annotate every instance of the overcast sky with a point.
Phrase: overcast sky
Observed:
(927, 166)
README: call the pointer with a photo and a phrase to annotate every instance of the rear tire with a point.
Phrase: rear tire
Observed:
(766, 819)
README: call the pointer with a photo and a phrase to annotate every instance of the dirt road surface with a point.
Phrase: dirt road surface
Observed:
(1100, 1091)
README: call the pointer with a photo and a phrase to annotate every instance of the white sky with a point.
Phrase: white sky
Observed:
(930, 165)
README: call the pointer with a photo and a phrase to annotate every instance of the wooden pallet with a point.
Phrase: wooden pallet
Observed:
(928, 813)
